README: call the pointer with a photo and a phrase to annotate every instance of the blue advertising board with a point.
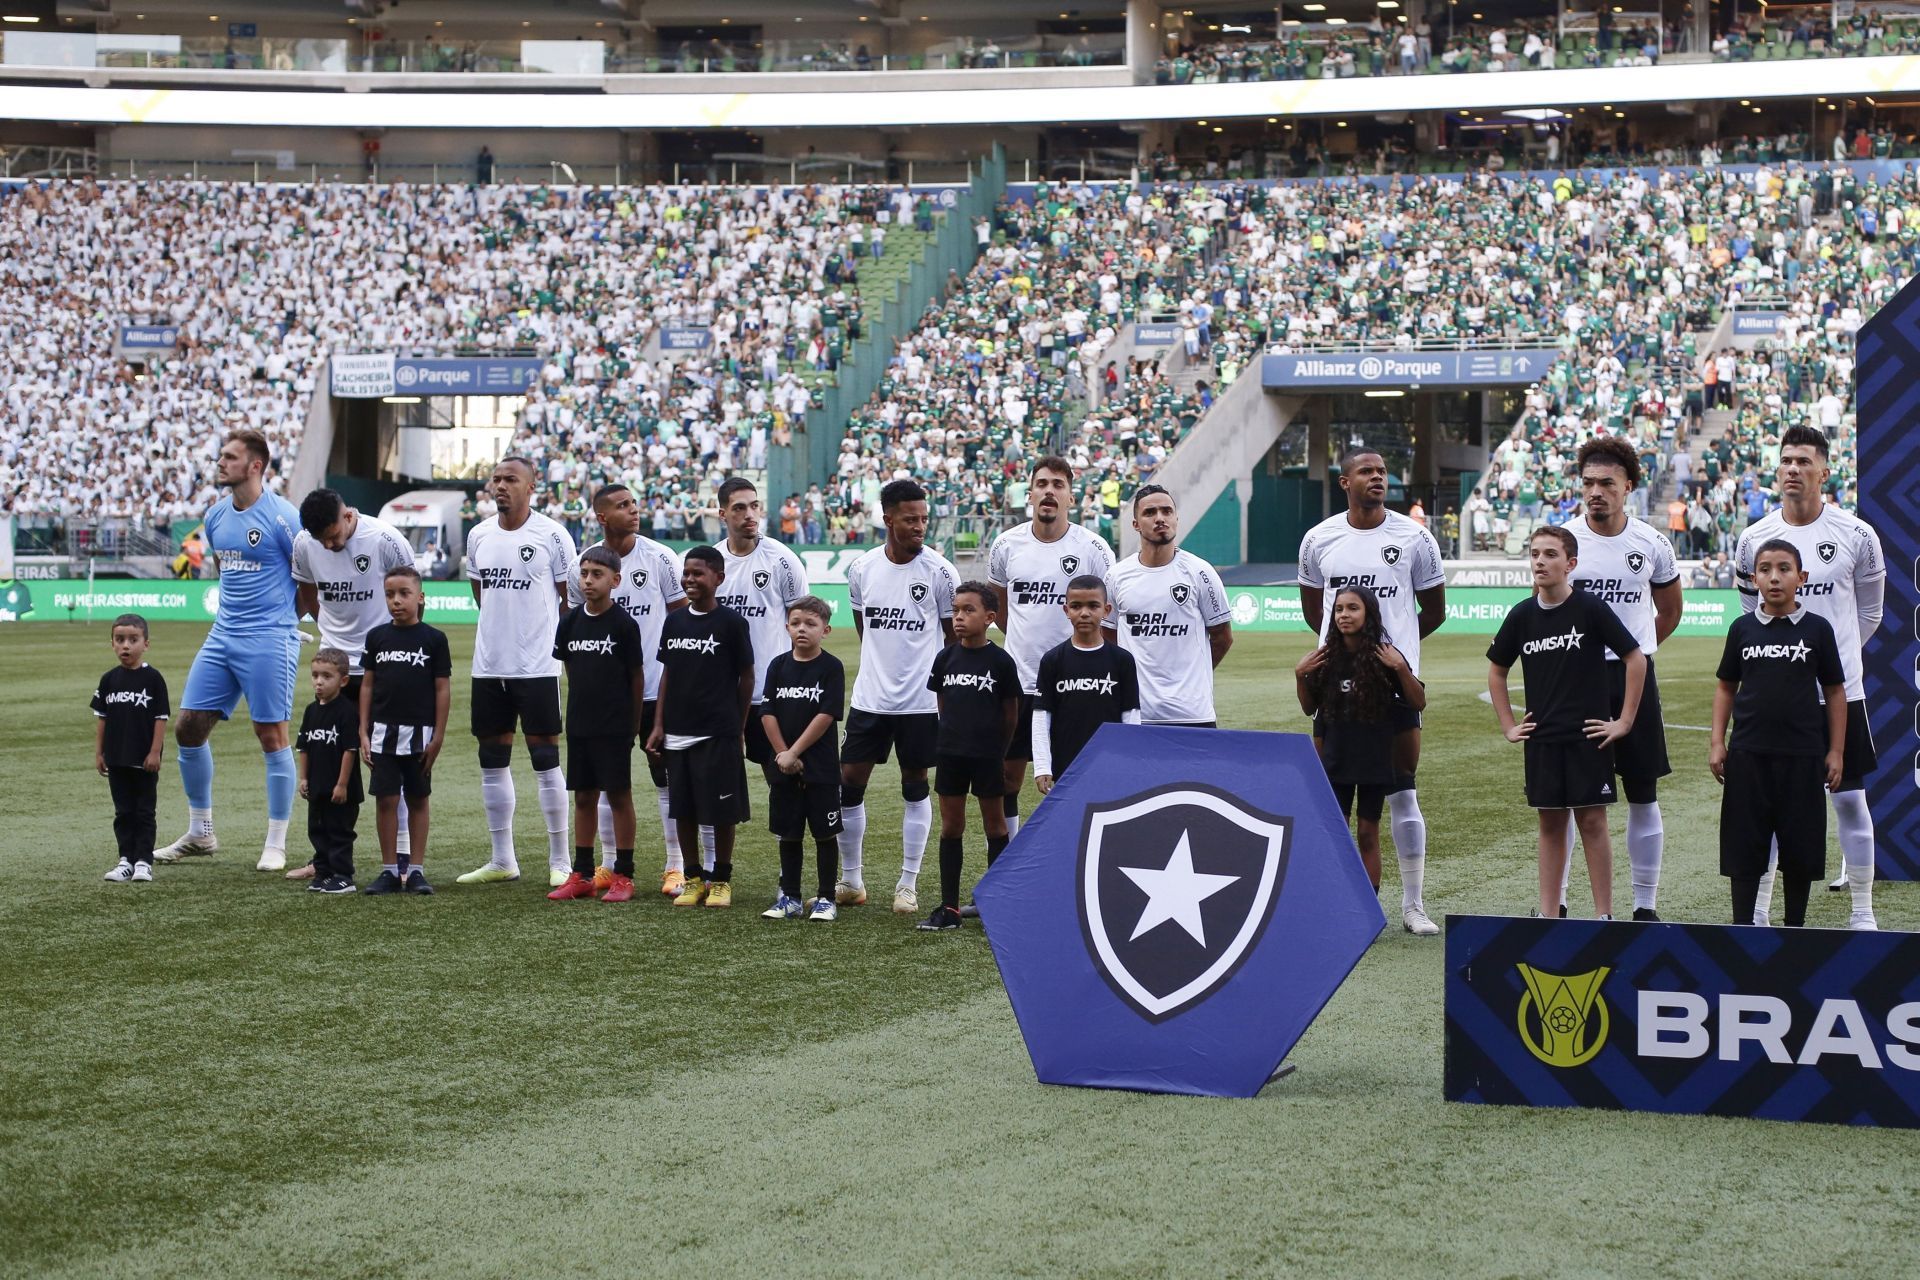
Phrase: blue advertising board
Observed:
(149, 337)
(685, 338)
(1757, 324)
(465, 375)
(1363, 369)
(1177, 910)
(1155, 335)
(1722, 1020)
(1888, 389)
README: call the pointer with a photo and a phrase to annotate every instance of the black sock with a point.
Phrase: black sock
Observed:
(583, 860)
(827, 852)
(996, 845)
(623, 863)
(1746, 892)
(1010, 804)
(951, 856)
(1797, 891)
(722, 871)
(792, 856)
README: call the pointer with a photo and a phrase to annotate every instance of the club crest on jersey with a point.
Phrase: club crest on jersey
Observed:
(253, 537)
(1636, 561)
(1390, 554)
(526, 555)
(1180, 592)
(918, 591)
(1176, 885)
(1069, 565)
(640, 580)
(361, 563)
(761, 578)
(1827, 551)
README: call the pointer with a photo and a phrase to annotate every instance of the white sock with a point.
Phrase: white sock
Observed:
(553, 807)
(607, 852)
(277, 833)
(1856, 845)
(496, 795)
(403, 843)
(200, 823)
(853, 835)
(1573, 843)
(1409, 845)
(706, 851)
(1013, 825)
(916, 824)
(1763, 903)
(674, 861)
(1646, 842)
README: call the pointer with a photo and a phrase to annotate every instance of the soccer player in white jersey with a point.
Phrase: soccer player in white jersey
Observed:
(763, 578)
(1171, 613)
(649, 590)
(1397, 559)
(340, 563)
(1630, 565)
(901, 593)
(1846, 585)
(1029, 567)
(518, 562)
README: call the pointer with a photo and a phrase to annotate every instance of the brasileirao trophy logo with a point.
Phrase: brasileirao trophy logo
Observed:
(1563, 1020)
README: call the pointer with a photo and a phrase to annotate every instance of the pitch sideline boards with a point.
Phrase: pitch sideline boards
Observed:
(1777, 1024)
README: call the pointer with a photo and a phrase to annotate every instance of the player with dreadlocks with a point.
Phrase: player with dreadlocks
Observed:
(1348, 685)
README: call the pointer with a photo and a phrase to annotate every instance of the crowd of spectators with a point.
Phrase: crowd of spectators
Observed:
(262, 282)
(1809, 31)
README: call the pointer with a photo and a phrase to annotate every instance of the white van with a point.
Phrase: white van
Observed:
(429, 519)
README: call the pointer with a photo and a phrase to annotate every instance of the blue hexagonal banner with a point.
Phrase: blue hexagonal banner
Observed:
(1177, 912)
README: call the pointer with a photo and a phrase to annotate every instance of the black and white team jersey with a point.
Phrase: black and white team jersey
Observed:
(1080, 690)
(1846, 577)
(973, 687)
(520, 573)
(1562, 651)
(601, 652)
(649, 587)
(1035, 574)
(351, 581)
(330, 731)
(129, 702)
(1782, 666)
(407, 663)
(1623, 571)
(759, 586)
(1161, 616)
(899, 607)
(798, 691)
(1395, 559)
(704, 654)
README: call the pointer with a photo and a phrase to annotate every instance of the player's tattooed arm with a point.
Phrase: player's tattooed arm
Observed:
(1433, 608)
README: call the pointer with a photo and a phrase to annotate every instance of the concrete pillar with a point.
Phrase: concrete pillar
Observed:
(1243, 490)
(1426, 459)
(1319, 428)
(1145, 30)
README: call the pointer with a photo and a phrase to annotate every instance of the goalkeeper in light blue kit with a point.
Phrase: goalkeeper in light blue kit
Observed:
(253, 651)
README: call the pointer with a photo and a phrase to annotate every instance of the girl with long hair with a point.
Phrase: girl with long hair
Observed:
(1348, 685)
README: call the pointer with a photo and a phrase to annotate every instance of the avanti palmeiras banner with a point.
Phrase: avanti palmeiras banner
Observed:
(1721, 1020)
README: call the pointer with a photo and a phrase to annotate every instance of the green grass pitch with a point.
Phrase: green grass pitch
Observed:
(218, 1074)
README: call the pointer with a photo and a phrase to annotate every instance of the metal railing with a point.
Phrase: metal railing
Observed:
(37, 162)
(1340, 345)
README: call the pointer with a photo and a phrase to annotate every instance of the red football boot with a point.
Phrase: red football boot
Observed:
(621, 890)
(575, 886)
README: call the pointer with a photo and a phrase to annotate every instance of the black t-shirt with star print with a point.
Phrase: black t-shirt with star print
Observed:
(974, 686)
(1080, 690)
(130, 701)
(1780, 667)
(1562, 651)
